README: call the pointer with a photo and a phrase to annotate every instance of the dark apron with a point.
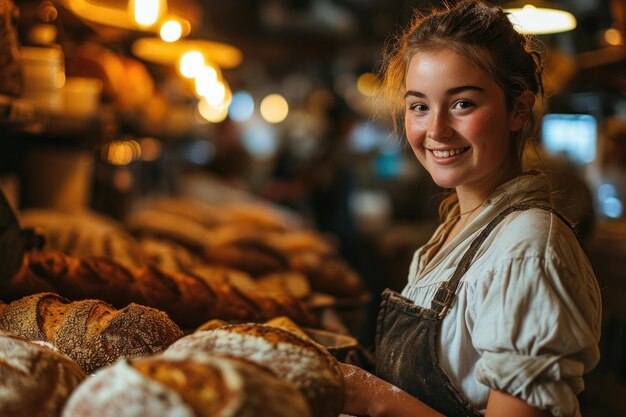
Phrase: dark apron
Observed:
(407, 336)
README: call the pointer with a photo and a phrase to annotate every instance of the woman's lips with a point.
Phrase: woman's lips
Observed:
(448, 155)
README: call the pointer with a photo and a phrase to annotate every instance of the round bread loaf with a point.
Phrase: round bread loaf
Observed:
(35, 381)
(91, 332)
(302, 362)
(186, 386)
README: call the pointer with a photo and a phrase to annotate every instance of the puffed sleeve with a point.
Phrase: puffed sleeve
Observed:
(537, 327)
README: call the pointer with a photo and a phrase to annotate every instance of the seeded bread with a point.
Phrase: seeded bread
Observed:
(91, 332)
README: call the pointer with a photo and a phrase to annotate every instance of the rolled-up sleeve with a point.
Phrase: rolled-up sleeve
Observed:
(537, 329)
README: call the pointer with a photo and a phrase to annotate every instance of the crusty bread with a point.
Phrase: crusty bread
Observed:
(90, 332)
(85, 233)
(34, 381)
(298, 360)
(186, 386)
(188, 299)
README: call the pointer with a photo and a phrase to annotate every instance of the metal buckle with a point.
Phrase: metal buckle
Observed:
(447, 299)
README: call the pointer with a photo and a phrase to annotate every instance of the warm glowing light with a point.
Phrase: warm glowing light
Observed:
(171, 30)
(211, 113)
(204, 80)
(169, 53)
(121, 152)
(191, 63)
(538, 20)
(274, 108)
(613, 37)
(215, 94)
(147, 12)
(367, 84)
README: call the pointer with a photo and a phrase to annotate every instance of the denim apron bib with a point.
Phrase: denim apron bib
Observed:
(407, 336)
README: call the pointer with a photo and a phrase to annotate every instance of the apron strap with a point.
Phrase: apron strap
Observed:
(447, 290)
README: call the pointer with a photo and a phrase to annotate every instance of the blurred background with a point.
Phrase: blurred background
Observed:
(107, 104)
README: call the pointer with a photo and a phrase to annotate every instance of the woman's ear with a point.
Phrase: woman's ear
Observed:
(522, 108)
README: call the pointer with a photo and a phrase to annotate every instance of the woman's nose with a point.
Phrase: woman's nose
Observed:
(438, 126)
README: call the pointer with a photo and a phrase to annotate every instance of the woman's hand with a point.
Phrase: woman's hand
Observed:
(368, 395)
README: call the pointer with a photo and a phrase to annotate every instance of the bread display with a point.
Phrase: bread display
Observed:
(85, 233)
(188, 299)
(186, 386)
(35, 381)
(90, 332)
(290, 356)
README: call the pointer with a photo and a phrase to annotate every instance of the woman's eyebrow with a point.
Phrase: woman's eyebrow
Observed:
(450, 92)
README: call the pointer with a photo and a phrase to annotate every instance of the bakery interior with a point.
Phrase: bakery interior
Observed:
(242, 142)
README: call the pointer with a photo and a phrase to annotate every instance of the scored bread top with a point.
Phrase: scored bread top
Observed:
(300, 361)
(186, 386)
(91, 332)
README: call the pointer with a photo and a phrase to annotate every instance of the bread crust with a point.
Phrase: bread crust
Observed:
(34, 381)
(292, 357)
(91, 332)
(186, 386)
(188, 299)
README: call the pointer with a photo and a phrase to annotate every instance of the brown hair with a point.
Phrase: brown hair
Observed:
(483, 34)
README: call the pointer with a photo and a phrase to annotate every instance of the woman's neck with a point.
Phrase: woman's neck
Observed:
(472, 196)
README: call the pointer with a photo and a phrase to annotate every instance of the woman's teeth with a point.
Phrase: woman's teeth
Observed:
(449, 153)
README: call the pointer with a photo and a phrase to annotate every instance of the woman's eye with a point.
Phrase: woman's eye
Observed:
(463, 104)
(418, 107)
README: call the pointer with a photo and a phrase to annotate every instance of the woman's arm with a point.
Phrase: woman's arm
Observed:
(368, 395)
(501, 404)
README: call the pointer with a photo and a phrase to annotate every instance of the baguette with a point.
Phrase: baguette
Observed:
(188, 299)
(35, 381)
(90, 332)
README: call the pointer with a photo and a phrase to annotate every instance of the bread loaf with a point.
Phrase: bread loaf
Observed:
(34, 381)
(292, 357)
(186, 386)
(85, 233)
(188, 299)
(90, 332)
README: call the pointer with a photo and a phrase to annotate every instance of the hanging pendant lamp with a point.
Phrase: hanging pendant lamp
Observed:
(539, 17)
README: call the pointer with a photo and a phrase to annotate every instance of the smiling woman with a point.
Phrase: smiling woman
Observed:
(494, 300)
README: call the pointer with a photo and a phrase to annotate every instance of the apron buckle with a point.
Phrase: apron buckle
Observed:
(442, 300)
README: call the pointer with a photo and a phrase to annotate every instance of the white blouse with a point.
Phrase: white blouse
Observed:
(526, 317)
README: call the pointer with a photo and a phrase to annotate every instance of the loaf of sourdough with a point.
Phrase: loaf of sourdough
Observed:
(186, 386)
(35, 381)
(188, 299)
(90, 332)
(299, 360)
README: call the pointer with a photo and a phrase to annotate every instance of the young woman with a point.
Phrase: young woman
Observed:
(501, 313)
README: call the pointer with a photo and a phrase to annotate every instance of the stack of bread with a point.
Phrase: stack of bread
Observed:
(241, 370)
(254, 240)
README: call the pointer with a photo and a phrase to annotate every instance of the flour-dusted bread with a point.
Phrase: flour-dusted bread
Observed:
(91, 332)
(186, 386)
(35, 381)
(292, 357)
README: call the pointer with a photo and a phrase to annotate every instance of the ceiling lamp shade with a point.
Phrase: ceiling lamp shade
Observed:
(160, 52)
(539, 17)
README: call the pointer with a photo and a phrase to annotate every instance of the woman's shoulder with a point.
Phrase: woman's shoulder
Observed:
(533, 232)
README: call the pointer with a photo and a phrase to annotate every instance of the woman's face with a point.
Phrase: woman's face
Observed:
(458, 124)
